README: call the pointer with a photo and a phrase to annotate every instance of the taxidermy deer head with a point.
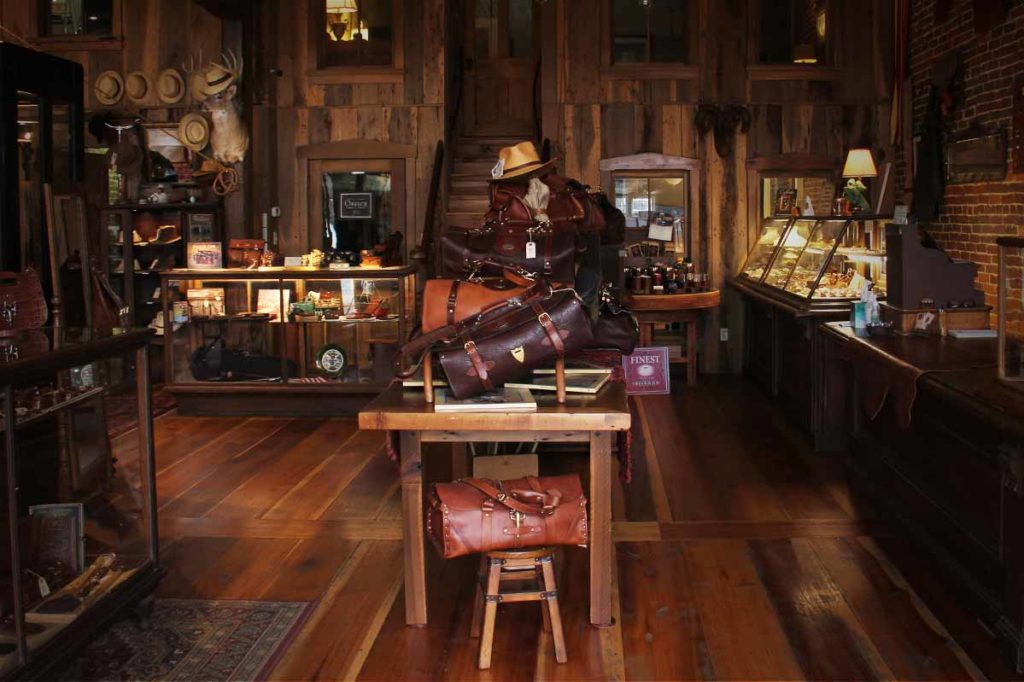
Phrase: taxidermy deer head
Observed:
(723, 119)
(229, 138)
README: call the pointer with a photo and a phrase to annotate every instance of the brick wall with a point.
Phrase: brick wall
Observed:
(973, 215)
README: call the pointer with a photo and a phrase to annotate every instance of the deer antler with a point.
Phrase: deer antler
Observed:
(229, 62)
(193, 64)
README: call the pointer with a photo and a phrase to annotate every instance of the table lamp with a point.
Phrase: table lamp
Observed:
(859, 165)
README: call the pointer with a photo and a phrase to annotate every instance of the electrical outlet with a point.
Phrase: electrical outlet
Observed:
(723, 334)
(275, 211)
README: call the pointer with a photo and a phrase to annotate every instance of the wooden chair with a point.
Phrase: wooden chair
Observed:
(535, 568)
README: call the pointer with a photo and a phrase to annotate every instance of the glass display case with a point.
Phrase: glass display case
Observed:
(818, 259)
(291, 329)
(79, 516)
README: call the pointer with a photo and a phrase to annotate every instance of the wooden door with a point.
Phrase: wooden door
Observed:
(501, 63)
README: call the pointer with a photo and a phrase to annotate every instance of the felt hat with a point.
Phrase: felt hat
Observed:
(194, 131)
(108, 88)
(138, 86)
(519, 160)
(170, 86)
(197, 86)
(166, 234)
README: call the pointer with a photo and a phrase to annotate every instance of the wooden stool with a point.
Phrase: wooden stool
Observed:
(530, 565)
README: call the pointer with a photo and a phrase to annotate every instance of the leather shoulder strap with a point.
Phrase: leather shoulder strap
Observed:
(486, 488)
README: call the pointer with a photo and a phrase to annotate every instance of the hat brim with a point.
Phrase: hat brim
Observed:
(192, 143)
(101, 96)
(211, 90)
(178, 87)
(527, 169)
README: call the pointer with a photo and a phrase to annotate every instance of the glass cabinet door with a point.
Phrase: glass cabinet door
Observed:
(768, 241)
(789, 252)
(814, 261)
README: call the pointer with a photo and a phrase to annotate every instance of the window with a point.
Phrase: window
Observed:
(650, 31)
(357, 210)
(77, 18)
(503, 28)
(657, 212)
(811, 195)
(793, 32)
(358, 33)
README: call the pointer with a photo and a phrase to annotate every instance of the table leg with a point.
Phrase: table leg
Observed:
(461, 462)
(691, 352)
(412, 530)
(602, 552)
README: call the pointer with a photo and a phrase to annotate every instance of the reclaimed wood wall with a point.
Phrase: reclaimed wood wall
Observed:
(593, 111)
(304, 108)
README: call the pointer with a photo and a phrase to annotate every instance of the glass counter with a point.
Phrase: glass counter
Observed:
(760, 257)
(286, 326)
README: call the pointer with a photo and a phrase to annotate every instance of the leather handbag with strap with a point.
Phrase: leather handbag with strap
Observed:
(479, 515)
(447, 301)
(615, 327)
(22, 304)
(508, 203)
(245, 253)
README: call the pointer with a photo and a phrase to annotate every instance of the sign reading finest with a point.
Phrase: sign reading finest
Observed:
(357, 205)
(646, 371)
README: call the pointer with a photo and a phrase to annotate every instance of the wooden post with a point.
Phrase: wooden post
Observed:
(560, 379)
(602, 552)
(428, 377)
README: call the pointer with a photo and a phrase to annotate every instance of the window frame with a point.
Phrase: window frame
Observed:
(319, 73)
(72, 43)
(827, 70)
(686, 70)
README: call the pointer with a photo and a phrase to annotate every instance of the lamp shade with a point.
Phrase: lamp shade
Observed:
(859, 164)
(342, 6)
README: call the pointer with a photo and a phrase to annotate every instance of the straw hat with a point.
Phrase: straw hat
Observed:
(170, 86)
(108, 88)
(138, 87)
(522, 159)
(194, 131)
(218, 78)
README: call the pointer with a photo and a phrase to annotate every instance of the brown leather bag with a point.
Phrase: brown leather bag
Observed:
(447, 301)
(479, 515)
(555, 245)
(508, 203)
(245, 253)
(22, 304)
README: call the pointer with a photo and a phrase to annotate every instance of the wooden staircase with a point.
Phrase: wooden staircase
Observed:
(472, 161)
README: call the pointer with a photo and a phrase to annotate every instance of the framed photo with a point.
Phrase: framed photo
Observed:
(661, 228)
(200, 226)
(785, 201)
(646, 371)
(58, 533)
(205, 256)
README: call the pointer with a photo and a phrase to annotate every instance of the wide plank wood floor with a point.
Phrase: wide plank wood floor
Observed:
(740, 555)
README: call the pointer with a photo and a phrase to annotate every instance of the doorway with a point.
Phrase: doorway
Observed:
(502, 56)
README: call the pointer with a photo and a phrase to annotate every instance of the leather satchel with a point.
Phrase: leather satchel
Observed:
(479, 515)
(508, 203)
(506, 244)
(447, 301)
(22, 304)
(615, 327)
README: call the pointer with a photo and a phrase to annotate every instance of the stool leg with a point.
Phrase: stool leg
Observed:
(478, 601)
(543, 606)
(490, 613)
(556, 617)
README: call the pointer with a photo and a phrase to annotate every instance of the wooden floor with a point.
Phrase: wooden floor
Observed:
(740, 556)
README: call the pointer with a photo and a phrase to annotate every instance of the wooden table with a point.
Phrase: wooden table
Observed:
(666, 308)
(582, 419)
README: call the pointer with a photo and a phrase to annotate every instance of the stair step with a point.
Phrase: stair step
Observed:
(481, 169)
(481, 147)
(469, 186)
(463, 204)
(462, 219)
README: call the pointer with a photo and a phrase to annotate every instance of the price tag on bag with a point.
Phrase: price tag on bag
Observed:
(531, 249)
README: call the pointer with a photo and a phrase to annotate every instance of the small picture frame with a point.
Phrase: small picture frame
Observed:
(58, 533)
(205, 256)
(785, 201)
(200, 226)
(646, 371)
(661, 228)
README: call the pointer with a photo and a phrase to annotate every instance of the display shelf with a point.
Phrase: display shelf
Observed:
(23, 421)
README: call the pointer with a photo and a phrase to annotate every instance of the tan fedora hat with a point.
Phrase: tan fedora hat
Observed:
(170, 86)
(194, 131)
(218, 78)
(108, 88)
(138, 86)
(521, 159)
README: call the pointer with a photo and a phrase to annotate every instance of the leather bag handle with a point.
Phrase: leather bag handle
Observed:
(511, 502)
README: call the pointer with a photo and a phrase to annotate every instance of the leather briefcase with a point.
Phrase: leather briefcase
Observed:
(506, 244)
(479, 515)
(245, 253)
(508, 203)
(447, 301)
(513, 341)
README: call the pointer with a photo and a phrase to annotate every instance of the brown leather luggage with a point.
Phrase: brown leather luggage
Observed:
(245, 253)
(22, 303)
(447, 301)
(554, 244)
(479, 515)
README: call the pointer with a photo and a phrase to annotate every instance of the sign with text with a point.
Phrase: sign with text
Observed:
(355, 206)
(646, 371)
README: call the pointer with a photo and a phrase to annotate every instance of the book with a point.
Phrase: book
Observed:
(574, 383)
(505, 400)
(417, 382)
(575, 370)
(646, 371)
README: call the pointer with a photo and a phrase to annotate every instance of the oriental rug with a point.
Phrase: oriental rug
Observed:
(194, 640)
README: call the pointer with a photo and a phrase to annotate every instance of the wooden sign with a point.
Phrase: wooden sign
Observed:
(978, 158)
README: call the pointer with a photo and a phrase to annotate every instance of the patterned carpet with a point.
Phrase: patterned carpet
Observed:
(122, 410)
(194, 640)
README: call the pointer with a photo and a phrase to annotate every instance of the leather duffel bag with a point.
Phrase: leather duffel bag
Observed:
(508, 203)
(615, 327)
(447, 301)
(479, 515)
(554, 245)
(515, 341)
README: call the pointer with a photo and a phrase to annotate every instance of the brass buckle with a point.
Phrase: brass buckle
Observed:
(517, 518)
(544, 319)
(470, 347)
